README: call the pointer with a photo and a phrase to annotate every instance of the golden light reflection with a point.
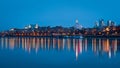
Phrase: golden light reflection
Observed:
(12, 43)
(100, 46)
(106, 44)
(94, 44)
(68, 43)
(58, 43)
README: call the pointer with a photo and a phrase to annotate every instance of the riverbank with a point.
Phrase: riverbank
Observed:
(77, 36)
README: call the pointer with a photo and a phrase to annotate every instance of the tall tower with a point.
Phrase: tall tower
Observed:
(109, 23)
(77, 25)
(36, 26)
(101, 23)
(29, 26)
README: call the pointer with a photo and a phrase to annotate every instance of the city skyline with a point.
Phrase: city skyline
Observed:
(100, 29)
(56, 13)
(98, 23)
(59, 34)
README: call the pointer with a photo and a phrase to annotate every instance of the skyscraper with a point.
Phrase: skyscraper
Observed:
(109, 23)
(101, 23)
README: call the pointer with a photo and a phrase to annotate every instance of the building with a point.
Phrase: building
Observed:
(110, 23)
(96, 24)
(101, 23)
(32, 26)
(77, 25)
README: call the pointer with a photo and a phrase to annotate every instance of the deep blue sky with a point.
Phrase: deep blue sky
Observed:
(18, 13)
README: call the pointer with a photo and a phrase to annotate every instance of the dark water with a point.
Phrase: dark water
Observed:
(59, 53)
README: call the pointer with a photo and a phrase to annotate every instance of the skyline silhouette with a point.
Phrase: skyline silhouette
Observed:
(56, 13)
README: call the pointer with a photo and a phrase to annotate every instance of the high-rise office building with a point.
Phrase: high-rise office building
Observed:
(109, 23)
(101, 23)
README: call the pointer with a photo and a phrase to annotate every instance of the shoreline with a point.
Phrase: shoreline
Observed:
(77, 36)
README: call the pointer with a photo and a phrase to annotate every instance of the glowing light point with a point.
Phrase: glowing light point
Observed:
(77, 21)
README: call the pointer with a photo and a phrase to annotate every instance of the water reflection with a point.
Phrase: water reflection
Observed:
(98, 46)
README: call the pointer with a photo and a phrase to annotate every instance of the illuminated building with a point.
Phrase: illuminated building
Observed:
(96, 24)
(77, 25)
(101, 23)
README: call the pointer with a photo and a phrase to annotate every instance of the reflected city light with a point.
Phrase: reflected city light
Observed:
(98, 46)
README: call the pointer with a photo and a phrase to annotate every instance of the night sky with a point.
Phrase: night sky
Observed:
(19, 13)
